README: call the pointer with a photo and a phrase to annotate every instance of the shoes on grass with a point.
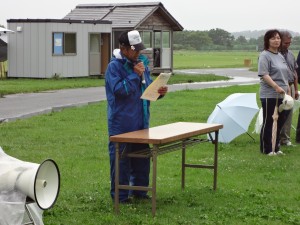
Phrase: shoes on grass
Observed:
(276, 153)
(288, 143)
(141, 197)
(126, 201)
(134, 198)
(272, 153)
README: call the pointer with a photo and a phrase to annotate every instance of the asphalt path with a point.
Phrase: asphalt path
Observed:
(19, 106)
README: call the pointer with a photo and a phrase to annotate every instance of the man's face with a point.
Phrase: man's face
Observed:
(132, 55)
(286, 42)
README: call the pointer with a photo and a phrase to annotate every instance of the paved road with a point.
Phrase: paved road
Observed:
(18, 106)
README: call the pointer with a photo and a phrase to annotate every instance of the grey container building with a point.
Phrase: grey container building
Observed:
(45, 48)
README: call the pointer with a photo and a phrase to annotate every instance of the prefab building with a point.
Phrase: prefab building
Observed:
(46, 48)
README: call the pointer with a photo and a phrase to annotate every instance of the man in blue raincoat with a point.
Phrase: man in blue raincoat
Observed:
(126, 77)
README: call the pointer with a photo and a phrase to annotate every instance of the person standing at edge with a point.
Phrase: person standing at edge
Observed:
(272, 70)
(126, 77)
(286, 40)
(298, 124)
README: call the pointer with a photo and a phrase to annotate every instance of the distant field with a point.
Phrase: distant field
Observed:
(200, 59)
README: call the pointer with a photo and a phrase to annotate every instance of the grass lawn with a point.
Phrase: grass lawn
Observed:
(252, 188)
(224, 59)
(12, 86)
(182, 60)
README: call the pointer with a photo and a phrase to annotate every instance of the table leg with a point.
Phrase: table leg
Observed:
(216, 159)
(183, 166)
(154, 174)
(117, 174)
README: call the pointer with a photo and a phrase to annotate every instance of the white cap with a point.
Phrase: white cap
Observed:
(132, 39)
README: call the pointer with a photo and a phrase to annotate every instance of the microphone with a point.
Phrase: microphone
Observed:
(143, 78)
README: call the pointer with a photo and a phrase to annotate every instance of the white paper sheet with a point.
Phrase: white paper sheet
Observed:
(151, 93)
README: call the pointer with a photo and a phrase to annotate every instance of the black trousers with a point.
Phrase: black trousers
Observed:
(268, 106)
(298, 129)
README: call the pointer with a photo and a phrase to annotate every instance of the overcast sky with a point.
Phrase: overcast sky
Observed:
(230, 15)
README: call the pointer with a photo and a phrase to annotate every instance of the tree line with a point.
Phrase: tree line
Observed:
(219, 39)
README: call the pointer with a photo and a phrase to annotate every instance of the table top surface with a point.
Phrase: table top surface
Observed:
(167, 133)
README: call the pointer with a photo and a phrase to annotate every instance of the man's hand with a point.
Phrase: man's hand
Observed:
(139, 68)
(163, 90)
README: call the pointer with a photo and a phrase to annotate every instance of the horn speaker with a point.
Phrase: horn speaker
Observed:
(41, 184)
(38, 182)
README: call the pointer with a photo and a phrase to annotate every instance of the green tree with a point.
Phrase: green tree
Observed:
(199, 40)
(221, 37)
(218, 39)
(252, 41)
(241, 40)
(191, 40)
(260, 43)
(295, 46)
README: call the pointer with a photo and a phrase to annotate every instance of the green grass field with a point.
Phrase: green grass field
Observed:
(226, 59)
(12, 86)
(252, 188)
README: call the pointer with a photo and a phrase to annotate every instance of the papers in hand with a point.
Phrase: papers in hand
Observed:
(151, 93)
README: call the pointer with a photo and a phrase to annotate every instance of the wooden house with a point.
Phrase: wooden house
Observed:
(155, 24)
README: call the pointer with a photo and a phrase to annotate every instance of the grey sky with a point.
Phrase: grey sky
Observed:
(230, 15)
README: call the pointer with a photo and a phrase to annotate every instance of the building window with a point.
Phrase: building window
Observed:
(166, 39)
(146, 38)
(64, 43)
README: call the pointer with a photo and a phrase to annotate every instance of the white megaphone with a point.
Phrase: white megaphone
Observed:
(40, 183)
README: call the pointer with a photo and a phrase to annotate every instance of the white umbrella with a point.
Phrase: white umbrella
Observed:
(3, 33)
(259, 122)
(4, 30)
(296, 104)
(235, 113)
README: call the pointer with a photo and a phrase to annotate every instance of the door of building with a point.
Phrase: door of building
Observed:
(105, 51)
(162, 49)
(166, 50)
(95, 54)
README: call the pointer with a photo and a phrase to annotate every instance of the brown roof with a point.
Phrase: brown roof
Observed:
(122, 15)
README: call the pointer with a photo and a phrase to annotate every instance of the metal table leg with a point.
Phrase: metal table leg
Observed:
(183, 166)
(117, 174)
(154, 174)
(216, 159)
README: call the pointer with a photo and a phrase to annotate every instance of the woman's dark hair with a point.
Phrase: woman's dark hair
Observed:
(268, 35)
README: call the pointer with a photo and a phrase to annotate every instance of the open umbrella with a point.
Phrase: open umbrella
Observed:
(4, 30)
(3, 46)
(259, 122)
(235, 113)
(296, 104)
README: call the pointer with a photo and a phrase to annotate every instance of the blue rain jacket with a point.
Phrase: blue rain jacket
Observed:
(126, 111)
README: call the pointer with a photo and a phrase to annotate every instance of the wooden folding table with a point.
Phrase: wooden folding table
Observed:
(165, 138)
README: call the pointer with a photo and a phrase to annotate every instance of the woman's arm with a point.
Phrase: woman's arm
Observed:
(272, 83)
